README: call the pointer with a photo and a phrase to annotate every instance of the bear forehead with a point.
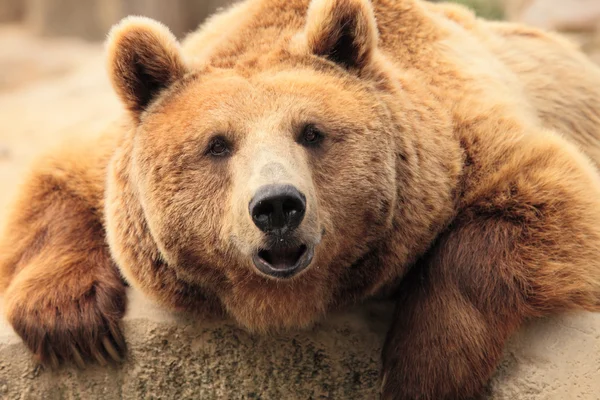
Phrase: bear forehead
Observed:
(281, 96)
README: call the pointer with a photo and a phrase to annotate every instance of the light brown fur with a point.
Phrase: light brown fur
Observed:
(451, 175)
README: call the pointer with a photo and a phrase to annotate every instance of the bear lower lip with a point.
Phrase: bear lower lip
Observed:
(283, 262)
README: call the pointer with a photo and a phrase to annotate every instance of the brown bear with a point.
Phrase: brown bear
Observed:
(294, 157)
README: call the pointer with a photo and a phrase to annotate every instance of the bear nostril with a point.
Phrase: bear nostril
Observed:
(293, 209)
(291, 205)
(262, 211)
(262, 218)
(277, 208)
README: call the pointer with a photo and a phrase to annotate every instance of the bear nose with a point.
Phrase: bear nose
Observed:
(277, 208)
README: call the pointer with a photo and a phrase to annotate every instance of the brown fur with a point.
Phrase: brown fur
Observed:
(450, 175)
(63, 294)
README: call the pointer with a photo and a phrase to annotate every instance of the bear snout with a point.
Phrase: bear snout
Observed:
(277, 209)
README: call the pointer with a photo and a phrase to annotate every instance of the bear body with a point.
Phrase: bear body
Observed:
(291, 158)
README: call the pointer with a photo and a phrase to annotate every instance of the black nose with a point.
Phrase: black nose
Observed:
(277, 208)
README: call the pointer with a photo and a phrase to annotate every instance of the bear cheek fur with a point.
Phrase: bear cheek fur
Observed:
(429, 166)
(182, 194)
(134, 249)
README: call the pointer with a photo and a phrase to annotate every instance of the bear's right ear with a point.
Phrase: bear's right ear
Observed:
(144, 58)
(343, 31)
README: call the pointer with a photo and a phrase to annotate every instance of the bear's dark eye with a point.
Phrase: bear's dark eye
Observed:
(218, 147)
(311, 135)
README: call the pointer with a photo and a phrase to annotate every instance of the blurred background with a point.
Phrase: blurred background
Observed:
(53, 85)
(91, 19)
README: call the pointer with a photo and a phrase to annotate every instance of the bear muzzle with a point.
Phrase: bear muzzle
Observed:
(277, 210)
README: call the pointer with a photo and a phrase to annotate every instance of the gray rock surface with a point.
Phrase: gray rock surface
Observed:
(171, 357)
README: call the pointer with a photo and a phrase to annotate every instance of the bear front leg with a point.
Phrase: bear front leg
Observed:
(441, 346)
(63, 295)
(482, 278)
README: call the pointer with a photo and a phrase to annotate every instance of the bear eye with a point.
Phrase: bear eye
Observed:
(311, 135)
(218, 147)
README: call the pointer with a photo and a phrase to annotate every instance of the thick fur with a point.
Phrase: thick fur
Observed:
(458, 173)
(63, 293)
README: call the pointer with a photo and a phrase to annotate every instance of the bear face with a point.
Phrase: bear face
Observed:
(301, 163)
(227, 152)
(251, 188)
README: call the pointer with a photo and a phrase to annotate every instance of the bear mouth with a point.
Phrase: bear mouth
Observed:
(283, 262)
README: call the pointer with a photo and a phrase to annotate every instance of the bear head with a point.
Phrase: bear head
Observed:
(279, 188)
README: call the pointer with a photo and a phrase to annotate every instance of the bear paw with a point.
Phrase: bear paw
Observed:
(60, 326)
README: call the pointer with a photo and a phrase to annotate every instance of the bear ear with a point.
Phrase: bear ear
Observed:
(344, 31)
(143, 59)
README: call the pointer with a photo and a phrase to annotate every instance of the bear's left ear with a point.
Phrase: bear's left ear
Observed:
(144, 58)
(344, 31)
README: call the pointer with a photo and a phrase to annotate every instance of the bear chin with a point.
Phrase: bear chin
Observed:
(268, 305)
